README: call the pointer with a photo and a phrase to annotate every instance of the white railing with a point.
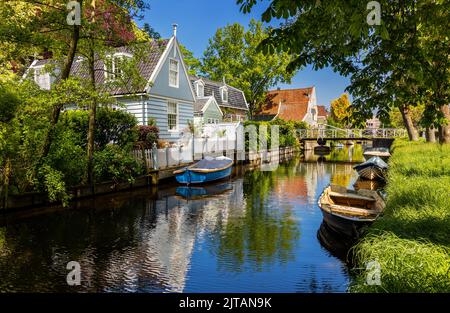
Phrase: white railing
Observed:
(187, 152)
(351, 133)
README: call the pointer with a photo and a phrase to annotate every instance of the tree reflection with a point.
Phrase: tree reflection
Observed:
(266, 230)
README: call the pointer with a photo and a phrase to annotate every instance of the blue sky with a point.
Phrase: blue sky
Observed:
(198, 20)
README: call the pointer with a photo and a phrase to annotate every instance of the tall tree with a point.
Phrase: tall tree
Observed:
(400, 62)
(107, 25)
(232, 55)
(151, 32)
(341, 110)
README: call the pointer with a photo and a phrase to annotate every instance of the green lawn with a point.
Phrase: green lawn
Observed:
(411, 241)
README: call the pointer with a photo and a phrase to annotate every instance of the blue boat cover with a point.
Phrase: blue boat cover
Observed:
(210, 163)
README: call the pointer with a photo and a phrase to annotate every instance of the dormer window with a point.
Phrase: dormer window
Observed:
(114, 66)
(174, 73)
(42, 78)
(200, 89)
(224, 93)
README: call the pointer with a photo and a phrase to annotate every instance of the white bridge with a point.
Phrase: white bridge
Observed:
(350, 134)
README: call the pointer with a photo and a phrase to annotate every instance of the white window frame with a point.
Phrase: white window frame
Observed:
(178, 73)
(177, 121)
(41, 77)
(197, 91)
(223, 91)
(111, 75)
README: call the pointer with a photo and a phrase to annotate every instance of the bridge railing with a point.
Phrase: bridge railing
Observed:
(351, 133)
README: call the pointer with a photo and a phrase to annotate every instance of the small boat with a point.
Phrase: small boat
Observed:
(322, 150)
(379, 152)
(362, 183)
(206, 170)
(201, 192)
(374, 168)
(347, 211)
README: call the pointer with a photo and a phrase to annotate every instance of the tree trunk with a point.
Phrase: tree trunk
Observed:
(444, 130)
(430, 134)
(65, 73)
(412, 131)
(5, 183)
(92, 117)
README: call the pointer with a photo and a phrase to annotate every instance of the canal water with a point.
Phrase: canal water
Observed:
(256, 232)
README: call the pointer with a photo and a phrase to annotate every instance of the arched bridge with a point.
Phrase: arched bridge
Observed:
(350, 134)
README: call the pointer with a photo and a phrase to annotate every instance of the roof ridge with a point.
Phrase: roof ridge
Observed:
(290, 89)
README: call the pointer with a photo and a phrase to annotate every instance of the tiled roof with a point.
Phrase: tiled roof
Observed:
(322, 111)
(236, 98)
(146, 67)
(200, 103)
(289, 104)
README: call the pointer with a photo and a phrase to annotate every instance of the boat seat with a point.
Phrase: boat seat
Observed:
(352, 210)
(350, 195)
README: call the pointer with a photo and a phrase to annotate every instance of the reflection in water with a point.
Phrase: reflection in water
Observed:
(346, 153)
(259, 233)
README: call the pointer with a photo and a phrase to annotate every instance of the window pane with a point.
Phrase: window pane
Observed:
(201, 90)
(173, 72)
(173, 78)
(118, 66)
(173, 65)
(172, 115)
(224, 95)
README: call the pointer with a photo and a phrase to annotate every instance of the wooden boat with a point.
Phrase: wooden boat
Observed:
(347, 211)
(379, 152)
(206, 170)
(362, 183)
(322, 150)
(374, 168)
(201, 192)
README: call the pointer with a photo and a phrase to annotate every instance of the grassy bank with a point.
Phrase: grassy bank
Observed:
(411, 242)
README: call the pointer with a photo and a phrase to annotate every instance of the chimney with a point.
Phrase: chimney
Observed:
(174, 26)
(224, 82)
(278, 88)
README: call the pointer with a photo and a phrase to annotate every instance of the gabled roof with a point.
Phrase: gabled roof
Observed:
(322, 111)
(199, 104)
(287, 104)
(202, 104)
(236, 97)
(146, 67)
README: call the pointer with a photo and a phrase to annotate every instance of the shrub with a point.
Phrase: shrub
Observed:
(287, 131)
(148, 135)
(116, 164)
(52, 182)
(112, 126)
(115, 126)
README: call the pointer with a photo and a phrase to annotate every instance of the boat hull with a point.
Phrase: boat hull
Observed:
(343, 226)
(372, 173)
(193, 177)
(373, 169)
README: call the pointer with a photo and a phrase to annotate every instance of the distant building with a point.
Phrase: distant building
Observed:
(224, 102)
(290, 105)
(322, 115)
(373, 123)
